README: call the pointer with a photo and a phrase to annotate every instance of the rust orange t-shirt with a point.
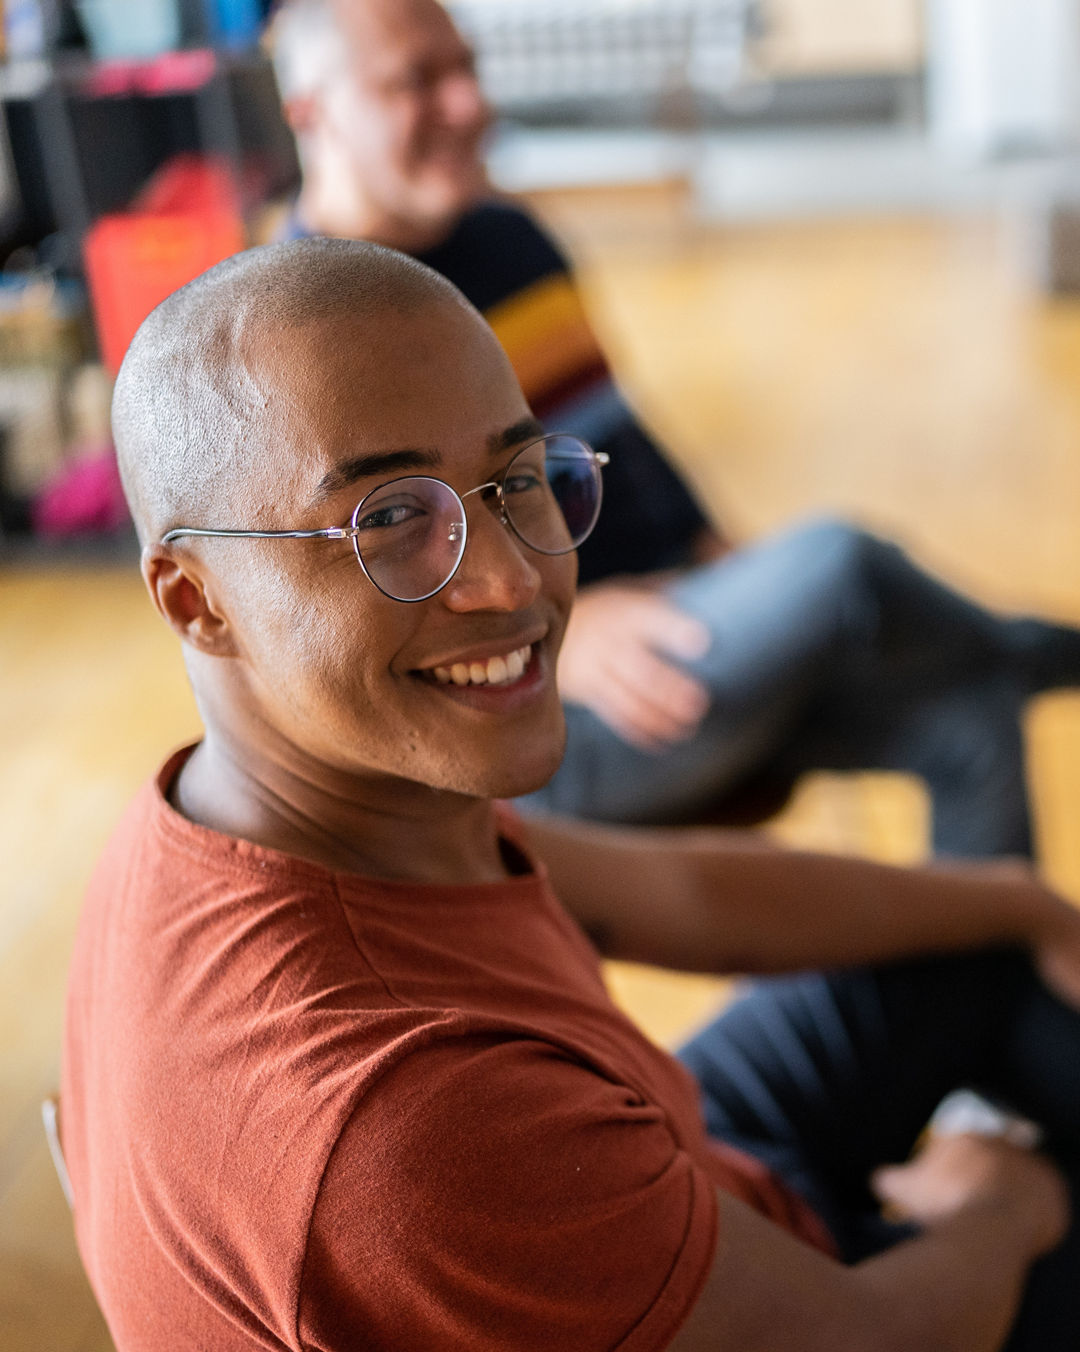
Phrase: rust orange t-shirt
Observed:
(310, 1110)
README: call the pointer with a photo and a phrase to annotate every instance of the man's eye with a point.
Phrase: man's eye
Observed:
(387, 515)
(419, 80)
(523, 481)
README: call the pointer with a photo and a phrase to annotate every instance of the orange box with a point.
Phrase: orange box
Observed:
(186, 220)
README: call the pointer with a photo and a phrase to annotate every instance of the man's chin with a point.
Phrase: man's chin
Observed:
(517, 775)
(456, 190)
(520, 786)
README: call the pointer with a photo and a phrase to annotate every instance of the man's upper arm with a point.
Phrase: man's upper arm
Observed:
(954, 1288)
(769, 1292)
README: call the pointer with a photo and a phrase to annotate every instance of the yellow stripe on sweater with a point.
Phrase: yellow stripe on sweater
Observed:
(546, 334)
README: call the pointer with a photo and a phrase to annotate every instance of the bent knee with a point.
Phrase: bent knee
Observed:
(838, 549)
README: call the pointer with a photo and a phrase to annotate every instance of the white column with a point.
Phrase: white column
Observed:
(1003, 75)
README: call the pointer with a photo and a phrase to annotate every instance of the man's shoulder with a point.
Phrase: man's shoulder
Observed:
(497, 249)
(501, 216)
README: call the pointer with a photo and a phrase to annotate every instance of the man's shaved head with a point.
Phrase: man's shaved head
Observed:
(191, 413)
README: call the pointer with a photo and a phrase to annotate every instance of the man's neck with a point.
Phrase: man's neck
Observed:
(343, 216)
(378, 827)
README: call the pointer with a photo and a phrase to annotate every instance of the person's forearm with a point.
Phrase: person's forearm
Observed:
(714, 900)
(775, 911)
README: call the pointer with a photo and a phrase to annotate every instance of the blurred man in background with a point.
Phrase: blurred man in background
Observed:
(690, 670)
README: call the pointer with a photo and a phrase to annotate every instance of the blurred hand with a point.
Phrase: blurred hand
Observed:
(1052, 934)
(953, 1174)
(613, 661)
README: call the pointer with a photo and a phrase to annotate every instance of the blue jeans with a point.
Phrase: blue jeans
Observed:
(825, 1077)
(832, 650)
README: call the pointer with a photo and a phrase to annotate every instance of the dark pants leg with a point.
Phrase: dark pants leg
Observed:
(824, 1077)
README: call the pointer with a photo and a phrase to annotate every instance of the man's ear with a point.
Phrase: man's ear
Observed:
(184, 601)
(302, 113)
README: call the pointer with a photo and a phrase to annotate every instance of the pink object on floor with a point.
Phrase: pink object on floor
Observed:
(86, 496)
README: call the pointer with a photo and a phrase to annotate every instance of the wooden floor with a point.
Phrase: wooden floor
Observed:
(900, 372)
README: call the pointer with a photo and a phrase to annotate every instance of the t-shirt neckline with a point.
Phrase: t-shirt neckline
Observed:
(249, 856)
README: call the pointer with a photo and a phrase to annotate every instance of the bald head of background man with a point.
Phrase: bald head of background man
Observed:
(388, 115)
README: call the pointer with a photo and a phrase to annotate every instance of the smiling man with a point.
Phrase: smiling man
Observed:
(394, 150)
(340, 1070)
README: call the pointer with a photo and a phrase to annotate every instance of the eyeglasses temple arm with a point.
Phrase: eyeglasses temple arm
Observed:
(332, 533)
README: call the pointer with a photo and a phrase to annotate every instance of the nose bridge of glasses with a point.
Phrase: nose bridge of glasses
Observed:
(497, 569)
(488, 491)
(458, 530)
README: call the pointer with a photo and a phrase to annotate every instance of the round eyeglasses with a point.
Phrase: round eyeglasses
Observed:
(410, 534)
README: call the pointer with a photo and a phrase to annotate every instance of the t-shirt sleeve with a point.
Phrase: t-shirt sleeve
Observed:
(489, 1194)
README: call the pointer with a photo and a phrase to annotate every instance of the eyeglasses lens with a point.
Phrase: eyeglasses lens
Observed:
(410, 533)
(551, 492)
(410, 537)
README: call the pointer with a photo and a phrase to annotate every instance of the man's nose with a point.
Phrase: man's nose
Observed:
(497, 571)
(462, 100)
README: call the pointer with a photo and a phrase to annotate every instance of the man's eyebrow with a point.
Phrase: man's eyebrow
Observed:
(369, 466)
(526, 429)
(382, 463)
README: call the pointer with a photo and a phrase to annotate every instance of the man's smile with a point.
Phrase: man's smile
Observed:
(498, 670)
(506, 680)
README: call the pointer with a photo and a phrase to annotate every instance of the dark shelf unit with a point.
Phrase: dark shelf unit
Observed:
(79, 151)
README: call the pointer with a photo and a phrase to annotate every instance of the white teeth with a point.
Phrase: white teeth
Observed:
(495, 671)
